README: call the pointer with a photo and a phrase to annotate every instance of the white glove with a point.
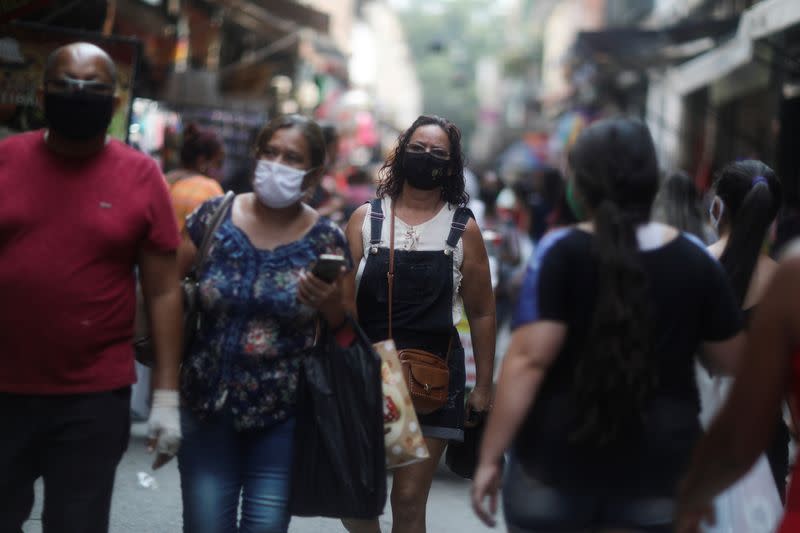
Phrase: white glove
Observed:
(164, 424)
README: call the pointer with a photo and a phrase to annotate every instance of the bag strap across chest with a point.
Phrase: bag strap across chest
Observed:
(211, 228)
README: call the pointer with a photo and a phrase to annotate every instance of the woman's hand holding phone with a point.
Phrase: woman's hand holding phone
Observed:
(320, 289)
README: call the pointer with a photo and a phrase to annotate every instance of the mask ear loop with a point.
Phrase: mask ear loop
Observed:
(308, 191)
(716, 219)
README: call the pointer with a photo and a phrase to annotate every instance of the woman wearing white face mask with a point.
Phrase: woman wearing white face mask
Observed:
(258, 306)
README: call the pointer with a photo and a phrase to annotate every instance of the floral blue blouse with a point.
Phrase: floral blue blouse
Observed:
(245, 357)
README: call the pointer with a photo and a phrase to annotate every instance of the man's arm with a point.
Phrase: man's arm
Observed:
(164, 303)
(163, 299)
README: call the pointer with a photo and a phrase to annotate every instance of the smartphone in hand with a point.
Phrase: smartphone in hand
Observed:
(328, 267)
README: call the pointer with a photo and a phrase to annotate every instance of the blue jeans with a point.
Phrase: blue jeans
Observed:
(532, 506)
(219, 464)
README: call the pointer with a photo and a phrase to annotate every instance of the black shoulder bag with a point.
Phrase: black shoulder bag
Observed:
(142, 342)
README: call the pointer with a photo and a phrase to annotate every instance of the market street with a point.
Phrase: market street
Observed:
(136, 509)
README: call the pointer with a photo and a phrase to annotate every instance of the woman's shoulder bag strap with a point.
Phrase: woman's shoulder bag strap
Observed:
(211, 229)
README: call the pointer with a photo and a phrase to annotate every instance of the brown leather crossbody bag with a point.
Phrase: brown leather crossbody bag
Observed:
(427, 375)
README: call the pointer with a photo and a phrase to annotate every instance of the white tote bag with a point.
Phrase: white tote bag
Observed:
(752, 505)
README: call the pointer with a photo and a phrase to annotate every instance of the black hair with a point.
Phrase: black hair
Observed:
(308, 128)
(678, 204)
(198, 142)
(454, 188)
(752, 195)
(329, 132)
(614, 166)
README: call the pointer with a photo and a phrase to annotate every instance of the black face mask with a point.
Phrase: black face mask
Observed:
(78, 116)
(423, 171)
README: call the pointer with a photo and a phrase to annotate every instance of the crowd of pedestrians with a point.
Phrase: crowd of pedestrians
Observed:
(630, 337)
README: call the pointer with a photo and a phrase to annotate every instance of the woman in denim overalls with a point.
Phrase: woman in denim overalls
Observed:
(441, 266)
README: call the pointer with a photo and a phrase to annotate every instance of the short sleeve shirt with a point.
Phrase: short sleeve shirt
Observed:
(71, 231)
(245, 358)
(188, 193)
(692, 302)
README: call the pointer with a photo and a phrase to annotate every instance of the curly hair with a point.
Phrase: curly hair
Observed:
(616, 175)
(392, 173)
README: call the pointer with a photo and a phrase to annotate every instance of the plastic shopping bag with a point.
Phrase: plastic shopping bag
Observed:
(753, 504)
(339, 467)
(402, 435)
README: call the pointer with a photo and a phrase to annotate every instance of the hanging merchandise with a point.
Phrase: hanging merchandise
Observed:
(24, 49)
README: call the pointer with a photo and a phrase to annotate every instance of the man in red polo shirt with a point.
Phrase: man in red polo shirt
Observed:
(78, 213)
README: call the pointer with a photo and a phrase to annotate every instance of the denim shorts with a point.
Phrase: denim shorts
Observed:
(532, 506)
(448, 422)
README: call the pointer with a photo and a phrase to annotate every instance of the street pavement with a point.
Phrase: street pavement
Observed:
(157, 509)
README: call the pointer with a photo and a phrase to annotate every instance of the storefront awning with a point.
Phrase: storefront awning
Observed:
(762, 20)
(279, 26)
(642, 48)
(275, 17)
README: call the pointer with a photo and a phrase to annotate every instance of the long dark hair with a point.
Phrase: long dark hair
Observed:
(678, 204)
(616, 177)
(392, 178)
(752, 195)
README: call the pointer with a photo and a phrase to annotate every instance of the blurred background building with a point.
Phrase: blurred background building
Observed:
(715, 79)
(232, 64)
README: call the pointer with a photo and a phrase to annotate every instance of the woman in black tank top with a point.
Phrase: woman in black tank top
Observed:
(748, 196)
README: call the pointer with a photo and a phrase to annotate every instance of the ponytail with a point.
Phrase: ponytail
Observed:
(752, 195)
(616, 172)
(748, 232)
(614, 377)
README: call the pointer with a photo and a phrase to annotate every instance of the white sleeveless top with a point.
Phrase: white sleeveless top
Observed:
(429, 236)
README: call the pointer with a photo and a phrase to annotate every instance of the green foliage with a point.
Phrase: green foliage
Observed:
(447, 38)
(517, 62)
